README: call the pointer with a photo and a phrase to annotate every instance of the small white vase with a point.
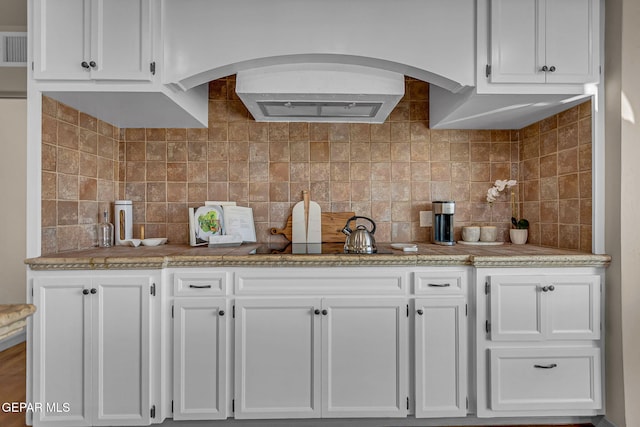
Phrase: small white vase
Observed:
(518, 236)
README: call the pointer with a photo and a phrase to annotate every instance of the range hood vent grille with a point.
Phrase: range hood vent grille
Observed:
(302, 109)
(319, 93)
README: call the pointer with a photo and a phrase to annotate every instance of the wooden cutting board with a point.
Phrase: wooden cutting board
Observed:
(332, 225)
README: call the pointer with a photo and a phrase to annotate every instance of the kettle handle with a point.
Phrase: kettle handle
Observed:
(355, 217)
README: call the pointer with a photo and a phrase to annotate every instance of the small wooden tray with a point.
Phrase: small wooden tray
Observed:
(332, 225)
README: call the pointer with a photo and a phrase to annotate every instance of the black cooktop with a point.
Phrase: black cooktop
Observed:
(305, 249)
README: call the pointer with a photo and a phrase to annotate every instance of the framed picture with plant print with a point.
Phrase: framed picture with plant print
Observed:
(204, 222)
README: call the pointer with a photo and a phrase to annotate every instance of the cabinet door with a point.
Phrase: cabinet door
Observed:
(570, 44)
(573, 308)
(516, 311)
(277, 365)
(62, 357)
(364, 357)
(121, 343)
(517, 41)
(121, 39)
(200, 359)
(61, 39)
(527, 35)
(441, 357)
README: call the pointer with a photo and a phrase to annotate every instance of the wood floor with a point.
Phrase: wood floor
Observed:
(13, 368)
(13, 374)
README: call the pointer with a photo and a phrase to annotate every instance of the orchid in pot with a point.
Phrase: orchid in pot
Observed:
(520, 232)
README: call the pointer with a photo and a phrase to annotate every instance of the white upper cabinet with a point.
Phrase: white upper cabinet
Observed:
(544, 41)
(92, 39)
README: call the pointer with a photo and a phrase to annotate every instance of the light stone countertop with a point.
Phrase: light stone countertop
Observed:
(123, 258)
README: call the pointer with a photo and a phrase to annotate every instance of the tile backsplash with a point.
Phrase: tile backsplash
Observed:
(389, 172)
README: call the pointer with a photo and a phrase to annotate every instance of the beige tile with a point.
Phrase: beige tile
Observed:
(568, 136)
(339, 132)
(359, 151)
(532, 190)
(340, 191)
(381, 132)
(420, 171)
(278, 132)
(502, 171)
(87, 188)
(480, 152)
(440, 171)
(419, 110)
(340, 152)
(299, 172)
(67, 212)
(176, 192)
(238, 151)
(568, 186)
(177, 172)
(549, 188)
(319, 171)
(279, 191)
(400, 152)
(319, 132)
(340, 171)
(319, 151)
(49, 106)
(359, 132)
(218, 171)
(400, 131)
(360, 191)
(68, 161)
(298, 150)
(279, 172)
(49, 157)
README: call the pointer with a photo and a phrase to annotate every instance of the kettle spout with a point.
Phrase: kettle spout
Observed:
(346, 230)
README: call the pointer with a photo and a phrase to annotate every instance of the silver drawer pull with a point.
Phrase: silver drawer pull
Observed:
(200, 286)
(439, 285)
(550, 366)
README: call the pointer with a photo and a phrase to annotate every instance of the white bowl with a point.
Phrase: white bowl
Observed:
(154, 241)
(132, 242)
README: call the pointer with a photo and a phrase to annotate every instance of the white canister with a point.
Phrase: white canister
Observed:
(123, 210)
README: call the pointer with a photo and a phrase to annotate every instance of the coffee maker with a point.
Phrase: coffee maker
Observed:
(442, 227)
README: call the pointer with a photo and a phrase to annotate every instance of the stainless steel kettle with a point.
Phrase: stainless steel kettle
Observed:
(360, 240)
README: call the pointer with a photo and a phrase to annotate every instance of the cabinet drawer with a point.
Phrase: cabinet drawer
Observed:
(306, 281)
(199, 284)
(545, 378)
(440, 283)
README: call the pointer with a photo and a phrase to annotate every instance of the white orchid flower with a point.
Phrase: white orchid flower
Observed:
(499, 186)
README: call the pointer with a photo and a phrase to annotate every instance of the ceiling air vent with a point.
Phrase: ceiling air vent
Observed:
(13, 49)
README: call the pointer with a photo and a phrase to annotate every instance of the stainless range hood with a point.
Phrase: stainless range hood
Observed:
(311, 92)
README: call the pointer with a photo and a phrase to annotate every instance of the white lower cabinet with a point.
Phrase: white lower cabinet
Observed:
(91, 358)
(199, 358)
(441, 357)
(539, 346)
(321, 357)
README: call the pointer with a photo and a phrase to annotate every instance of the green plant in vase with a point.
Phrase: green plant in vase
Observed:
(520, 224)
